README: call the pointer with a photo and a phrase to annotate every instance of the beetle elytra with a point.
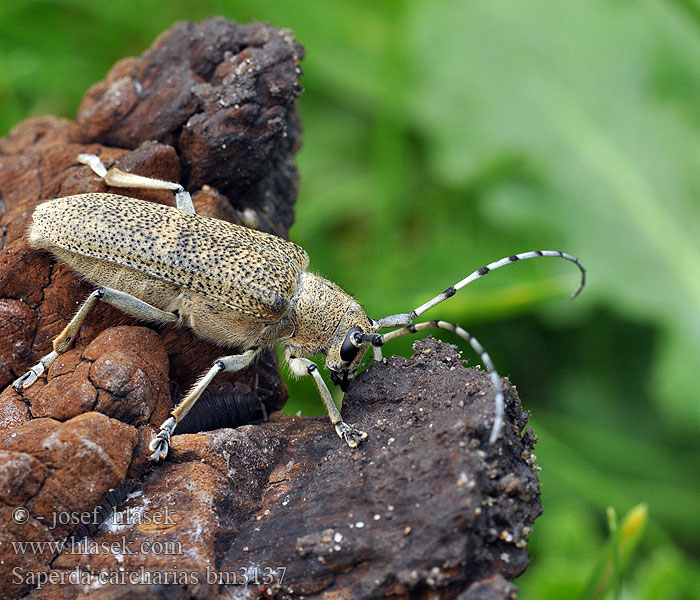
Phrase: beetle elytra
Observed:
(238, 287)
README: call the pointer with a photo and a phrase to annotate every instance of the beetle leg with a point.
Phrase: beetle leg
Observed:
(303, 366)
(118, 178)
(124, 302)
(33, 374)
(161, 443)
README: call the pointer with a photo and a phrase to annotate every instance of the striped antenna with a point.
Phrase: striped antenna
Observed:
(479, 273)
(405, 322)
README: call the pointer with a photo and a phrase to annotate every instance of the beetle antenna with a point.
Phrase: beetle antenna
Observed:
(478, 348)
(406, 319)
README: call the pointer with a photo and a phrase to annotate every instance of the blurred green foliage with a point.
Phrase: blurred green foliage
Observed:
(443, 134)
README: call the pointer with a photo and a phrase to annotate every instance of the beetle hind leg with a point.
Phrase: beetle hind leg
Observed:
(118, 178)
(124, 302)
(33, 374)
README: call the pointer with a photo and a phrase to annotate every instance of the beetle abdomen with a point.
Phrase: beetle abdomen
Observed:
(251, 271)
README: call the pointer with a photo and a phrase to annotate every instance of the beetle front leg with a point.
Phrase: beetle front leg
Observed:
(302, 367)
(161, 443)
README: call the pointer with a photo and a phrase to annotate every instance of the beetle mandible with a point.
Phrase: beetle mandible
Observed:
(235, 286)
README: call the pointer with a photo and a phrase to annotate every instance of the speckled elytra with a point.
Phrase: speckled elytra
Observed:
(236, 286)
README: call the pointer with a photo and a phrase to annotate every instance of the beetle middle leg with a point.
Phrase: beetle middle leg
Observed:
(303, 366)
(121, 300)
(118, 178)
(235, 362)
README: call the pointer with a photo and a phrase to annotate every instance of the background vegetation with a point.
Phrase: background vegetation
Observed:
(442, 134)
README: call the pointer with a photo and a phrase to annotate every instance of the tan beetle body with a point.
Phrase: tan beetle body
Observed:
(232, 285)
(235, 286)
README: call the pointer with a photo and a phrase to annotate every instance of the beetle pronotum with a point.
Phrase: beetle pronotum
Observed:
(235, 286)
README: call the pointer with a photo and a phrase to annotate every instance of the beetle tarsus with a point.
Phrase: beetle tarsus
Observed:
(27, 379)
(30, 377)
(161, 443)
(353, 437)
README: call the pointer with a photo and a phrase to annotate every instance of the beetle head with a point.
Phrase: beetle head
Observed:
(348, 345)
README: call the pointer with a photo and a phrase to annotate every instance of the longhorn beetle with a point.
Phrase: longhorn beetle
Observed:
(232, 285)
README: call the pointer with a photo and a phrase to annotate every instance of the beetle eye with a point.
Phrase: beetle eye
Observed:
(351, 344)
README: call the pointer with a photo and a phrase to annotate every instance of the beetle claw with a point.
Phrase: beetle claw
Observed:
(25, 380)
(161, 443)
(353, 437)
(160, 447)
